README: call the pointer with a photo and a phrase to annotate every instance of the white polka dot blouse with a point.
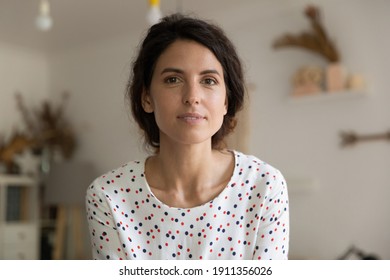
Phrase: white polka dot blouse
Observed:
(248, 220)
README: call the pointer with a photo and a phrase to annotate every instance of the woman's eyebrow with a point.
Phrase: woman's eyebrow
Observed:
(169, 69)
(177, 70)
(211, 71)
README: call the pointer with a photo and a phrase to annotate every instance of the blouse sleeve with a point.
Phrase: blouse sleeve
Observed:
(104, 236)
(273, 235)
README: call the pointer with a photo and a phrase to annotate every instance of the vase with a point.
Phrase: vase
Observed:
(46, 160)
(335, 77)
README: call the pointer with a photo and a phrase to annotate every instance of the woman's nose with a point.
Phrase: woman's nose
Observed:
(191, 94)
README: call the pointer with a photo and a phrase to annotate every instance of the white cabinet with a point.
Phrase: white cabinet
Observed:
(19, 221)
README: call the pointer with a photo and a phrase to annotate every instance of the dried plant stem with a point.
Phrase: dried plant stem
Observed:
(316, 40)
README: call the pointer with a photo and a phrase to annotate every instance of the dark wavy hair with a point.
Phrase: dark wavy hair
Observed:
(156, 41)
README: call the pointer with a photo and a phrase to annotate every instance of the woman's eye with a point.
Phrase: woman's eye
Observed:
(209, 81)
(171, 80)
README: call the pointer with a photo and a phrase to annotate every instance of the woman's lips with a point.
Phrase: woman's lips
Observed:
(191, 118)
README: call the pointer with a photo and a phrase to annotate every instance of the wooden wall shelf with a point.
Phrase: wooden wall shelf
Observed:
(328, 96)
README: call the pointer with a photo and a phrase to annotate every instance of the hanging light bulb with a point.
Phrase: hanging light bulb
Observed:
(154, 13)
(44, 22)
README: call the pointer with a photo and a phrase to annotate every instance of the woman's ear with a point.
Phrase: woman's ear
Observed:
(226, 105)
(147, 103)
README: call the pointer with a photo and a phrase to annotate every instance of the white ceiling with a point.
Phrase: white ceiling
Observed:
(80, 21)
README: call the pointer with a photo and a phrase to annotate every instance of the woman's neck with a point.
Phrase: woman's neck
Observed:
(188, 175)
(186, 166)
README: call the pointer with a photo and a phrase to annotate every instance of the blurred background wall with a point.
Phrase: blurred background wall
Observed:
(338, 196)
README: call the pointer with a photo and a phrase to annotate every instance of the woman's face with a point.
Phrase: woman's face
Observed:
(187, 94)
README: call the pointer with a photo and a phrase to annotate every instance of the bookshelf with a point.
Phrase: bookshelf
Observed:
(19, 221)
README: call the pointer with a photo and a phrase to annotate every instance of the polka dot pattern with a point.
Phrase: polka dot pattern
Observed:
(249, 219)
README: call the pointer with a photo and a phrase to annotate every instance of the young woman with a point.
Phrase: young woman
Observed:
(192, 198)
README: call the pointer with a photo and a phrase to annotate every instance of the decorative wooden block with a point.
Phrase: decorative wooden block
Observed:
(335, 77)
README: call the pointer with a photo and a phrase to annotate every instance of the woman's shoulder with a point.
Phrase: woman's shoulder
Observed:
(252, 165)
(128, 172)
(252, 171)
(250, 160)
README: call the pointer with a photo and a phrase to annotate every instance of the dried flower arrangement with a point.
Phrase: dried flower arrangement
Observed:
(46, 128)
(49, 128)
(15, 145)
(316, 41)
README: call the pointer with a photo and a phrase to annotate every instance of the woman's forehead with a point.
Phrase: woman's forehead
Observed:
(188, 55)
